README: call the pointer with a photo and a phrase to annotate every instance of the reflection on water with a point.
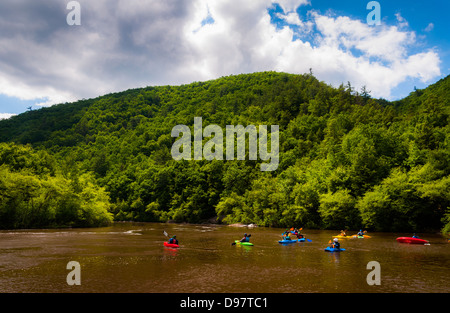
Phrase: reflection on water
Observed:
(130, 257)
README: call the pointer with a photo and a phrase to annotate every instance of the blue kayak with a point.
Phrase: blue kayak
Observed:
(328, 249)
(287, 241)
(301, 239)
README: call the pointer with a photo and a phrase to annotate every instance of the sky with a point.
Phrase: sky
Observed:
(123, 44)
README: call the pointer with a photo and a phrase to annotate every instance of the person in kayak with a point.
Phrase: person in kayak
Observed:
(173, 240)
(246, 238)
(335, 244)
(361, 233)
(415, 236)
(285, 235)
(299, 235)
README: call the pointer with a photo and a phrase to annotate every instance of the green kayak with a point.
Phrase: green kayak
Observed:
(243, 243)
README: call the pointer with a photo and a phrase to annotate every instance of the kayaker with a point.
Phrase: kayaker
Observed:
(299, 235)
(246, 238)
(361, 233)
(286, 235)
(415, 236)
(173, 240)
(343, 233)
(335, 244)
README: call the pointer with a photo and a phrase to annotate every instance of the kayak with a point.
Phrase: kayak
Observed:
(243, 243)
(301, 239)
(361, 237)
(342, 237)
(328, 249)
(287, 241)
(170, 245)
(412, 240)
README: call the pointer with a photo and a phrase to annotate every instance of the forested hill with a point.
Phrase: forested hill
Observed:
(346, 160)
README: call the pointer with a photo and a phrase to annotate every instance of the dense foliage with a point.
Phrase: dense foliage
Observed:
(346, 160)
(34, 194)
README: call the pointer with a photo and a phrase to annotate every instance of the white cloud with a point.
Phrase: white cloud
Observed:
(123, 44)
(402, 22)
(291, 5)
(429, 28)
(4, 116)
(291, 18)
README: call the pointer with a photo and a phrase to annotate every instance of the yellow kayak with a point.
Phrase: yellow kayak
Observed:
(342, 237)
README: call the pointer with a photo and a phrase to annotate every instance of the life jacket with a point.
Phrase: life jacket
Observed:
(245, 239)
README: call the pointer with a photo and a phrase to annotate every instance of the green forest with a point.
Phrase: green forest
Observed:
(347, 160)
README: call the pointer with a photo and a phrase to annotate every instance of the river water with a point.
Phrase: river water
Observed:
(130, 257)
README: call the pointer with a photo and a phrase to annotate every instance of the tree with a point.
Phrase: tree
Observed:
(338, 211)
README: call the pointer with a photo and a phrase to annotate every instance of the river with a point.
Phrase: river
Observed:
(131, 258)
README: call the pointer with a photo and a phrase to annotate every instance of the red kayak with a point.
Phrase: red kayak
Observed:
(170, 245)
(412, 240)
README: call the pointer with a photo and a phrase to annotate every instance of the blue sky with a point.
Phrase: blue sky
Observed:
(128, 44)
